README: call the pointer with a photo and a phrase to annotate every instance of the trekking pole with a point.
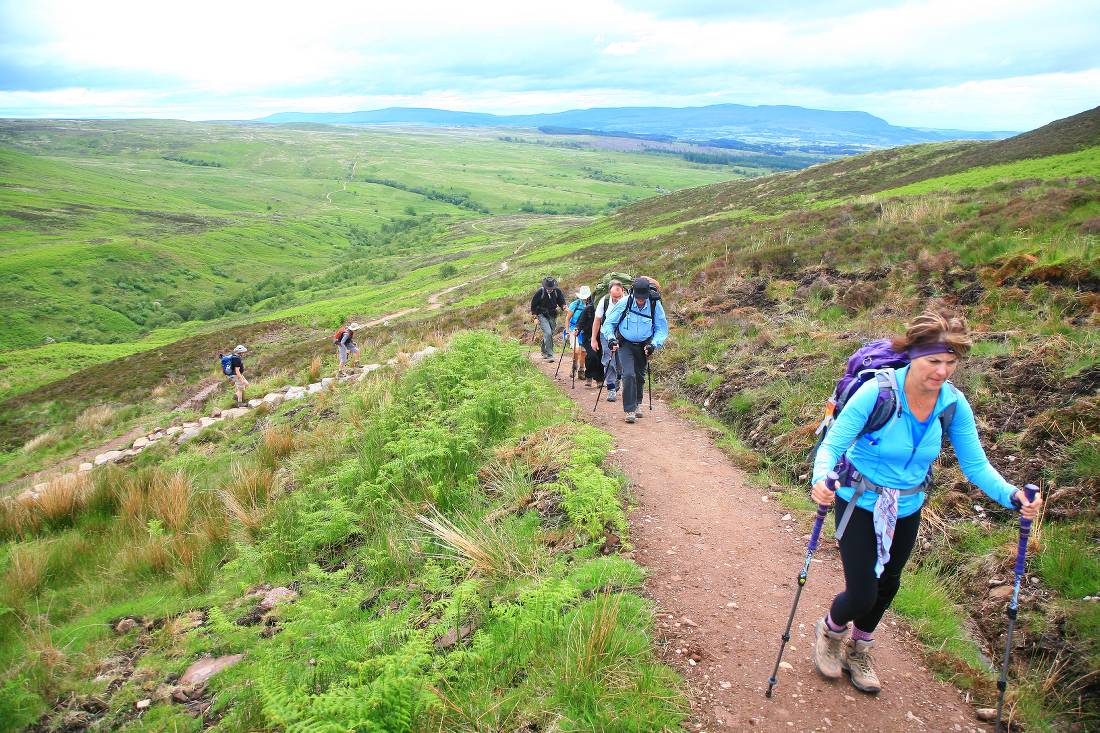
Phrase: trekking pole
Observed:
(1030, 490)
(598, 393)
(649, 376)
(563, 345)
(832, 482)
(573, 371)
(534, 338)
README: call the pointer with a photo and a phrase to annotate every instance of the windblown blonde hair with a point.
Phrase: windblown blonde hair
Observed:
(937, 323)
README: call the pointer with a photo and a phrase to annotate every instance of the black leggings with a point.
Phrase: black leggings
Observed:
(865, 597)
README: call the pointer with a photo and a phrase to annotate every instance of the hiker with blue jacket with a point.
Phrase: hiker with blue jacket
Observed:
(635, 327)
(885, 476)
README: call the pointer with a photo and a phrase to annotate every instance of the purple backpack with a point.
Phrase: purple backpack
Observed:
(875, 360)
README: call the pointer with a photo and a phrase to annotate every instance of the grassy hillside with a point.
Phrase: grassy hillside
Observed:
(437, 534)
(114, 229)
(770, 285)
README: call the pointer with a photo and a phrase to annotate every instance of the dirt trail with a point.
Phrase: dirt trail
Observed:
(722, 565)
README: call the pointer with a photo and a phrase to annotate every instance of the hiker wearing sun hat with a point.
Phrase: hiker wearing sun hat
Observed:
(545, 304)
(346, 345)
(233, 369)
(572, 330)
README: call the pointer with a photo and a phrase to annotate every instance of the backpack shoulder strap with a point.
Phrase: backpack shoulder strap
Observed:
(948, 414)
(886, 404)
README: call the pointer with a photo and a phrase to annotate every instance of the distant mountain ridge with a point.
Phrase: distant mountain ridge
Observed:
(785, 124)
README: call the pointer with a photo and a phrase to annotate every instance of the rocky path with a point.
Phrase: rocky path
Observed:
(722, 558)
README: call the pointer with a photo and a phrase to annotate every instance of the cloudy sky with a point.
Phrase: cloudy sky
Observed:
(967, 64)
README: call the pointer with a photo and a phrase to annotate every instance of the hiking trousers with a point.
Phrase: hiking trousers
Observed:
(865, 597)
(547, 324)
(611, 376)
(632, 361)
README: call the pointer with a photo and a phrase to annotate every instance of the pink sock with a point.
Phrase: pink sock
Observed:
(833, 626)
(860, 635)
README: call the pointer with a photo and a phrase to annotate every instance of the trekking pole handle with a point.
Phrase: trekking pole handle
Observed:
(1030, 491)
(832, 483)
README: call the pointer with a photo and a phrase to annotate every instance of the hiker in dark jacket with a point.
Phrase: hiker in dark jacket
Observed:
(236, 371)
(883, 479)
(634, 328)
(593, 369)
(546, 303)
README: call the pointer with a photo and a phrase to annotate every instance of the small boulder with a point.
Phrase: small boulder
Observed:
(174, 430)
(255, 403)
(453, 636)
(274, 399)
(206, 421)
(191, 424)
(206, 668)
(188, 434)
(315, 388)
(86, 466)
(276, 596)
(234, 412)
(109, 457)
(296, 393)
(986, 714)
(143, 704)
(1001, 593)
(419, 356)
(327, 382)
(126, 625)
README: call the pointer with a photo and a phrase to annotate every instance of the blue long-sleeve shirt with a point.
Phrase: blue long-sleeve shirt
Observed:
(637, 325)
(891, 457)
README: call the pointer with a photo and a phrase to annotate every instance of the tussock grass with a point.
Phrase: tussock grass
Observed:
(18, 517)
(42, 440)
(95, 419)
(63, 499)
(278, 442)
(315, 369)
(248, 496)
(25, 573)
(487, 549)
(169, 500)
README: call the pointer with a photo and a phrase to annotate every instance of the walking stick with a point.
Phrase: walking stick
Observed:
(1030, 490)
(832, 482)
(534, 338)
(649, 376)
(563, 345)
(573, 371)
(598, 393)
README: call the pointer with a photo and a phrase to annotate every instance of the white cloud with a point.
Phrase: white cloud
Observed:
(928, 62)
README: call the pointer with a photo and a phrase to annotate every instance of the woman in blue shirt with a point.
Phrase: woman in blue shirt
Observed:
(883, 473)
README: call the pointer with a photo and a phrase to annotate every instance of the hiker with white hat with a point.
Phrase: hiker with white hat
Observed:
(345, 344)
(233, 369)
(572, 331)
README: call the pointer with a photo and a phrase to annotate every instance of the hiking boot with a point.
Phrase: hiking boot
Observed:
(630, 417)
(639, 414)
(611, 393)
(827, 650)
(860, 666)
(588, 383)
(548, 358)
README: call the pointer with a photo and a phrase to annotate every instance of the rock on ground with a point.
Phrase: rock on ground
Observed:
(207, 667)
